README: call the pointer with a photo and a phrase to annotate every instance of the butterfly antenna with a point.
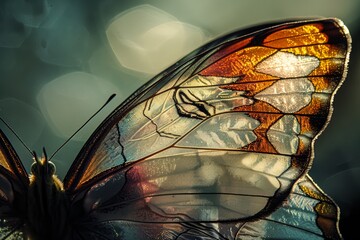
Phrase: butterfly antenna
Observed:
(62, 145)
(35, 157)
(17, 136)
(45, 154)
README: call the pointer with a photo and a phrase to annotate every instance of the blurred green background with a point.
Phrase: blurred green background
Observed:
(58, 65)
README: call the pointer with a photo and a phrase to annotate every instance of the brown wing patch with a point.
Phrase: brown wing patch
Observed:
(327, 211)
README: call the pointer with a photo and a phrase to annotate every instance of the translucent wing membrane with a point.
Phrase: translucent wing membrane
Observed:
(13, 183)
(213, 146)
(307, 213)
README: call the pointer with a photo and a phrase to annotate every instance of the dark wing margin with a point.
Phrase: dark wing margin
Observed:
(217, 141)
(13, 190)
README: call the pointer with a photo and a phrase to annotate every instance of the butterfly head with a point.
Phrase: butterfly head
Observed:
(42, 167)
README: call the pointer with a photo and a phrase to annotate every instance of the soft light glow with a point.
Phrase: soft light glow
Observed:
(146, 39)
(69, 100)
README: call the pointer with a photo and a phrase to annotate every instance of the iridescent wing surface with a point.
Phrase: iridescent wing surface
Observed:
(216, 141)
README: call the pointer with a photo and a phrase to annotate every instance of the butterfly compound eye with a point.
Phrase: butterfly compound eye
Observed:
(34, 169)
(51, 168)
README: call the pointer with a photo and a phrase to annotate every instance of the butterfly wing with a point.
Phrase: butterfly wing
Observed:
(13, 190)
(307, 213)
(215, 141)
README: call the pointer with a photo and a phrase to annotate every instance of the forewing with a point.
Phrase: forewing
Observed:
(220, 137)
(13, 182)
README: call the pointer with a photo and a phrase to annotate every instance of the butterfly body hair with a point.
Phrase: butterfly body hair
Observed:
(47, 203)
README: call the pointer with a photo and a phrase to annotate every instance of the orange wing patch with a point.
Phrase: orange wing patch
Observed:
(299, 36)
(323, 59)
(240, 63)
(3, 162)
(327, 218)
(329, 67)
(319, 105)
(262, 144)
(324, 84)
(230, 49)
(250, 89)
(321, 51)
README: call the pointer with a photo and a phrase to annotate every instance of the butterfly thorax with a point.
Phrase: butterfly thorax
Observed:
(47, 203)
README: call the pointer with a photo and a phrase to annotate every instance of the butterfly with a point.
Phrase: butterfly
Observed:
(217, 146)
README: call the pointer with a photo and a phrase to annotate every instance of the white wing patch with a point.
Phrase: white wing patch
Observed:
(202, 81)
(294, 92)
(226, 131)
(288, 65)
(283, 135)
(288, 95)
